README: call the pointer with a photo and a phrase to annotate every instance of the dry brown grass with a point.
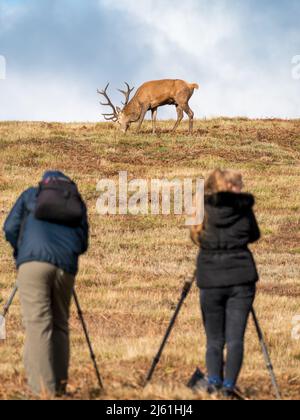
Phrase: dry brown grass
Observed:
(132, 275)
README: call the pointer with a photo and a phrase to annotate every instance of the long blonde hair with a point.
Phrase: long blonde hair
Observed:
(218, 181)
(223, 181)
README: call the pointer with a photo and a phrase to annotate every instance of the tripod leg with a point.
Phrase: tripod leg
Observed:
(164, 342)
(9, 302)
(92, 354)
(266, 355)
(186, 289)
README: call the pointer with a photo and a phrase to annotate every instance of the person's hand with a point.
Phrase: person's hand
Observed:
(195, 234)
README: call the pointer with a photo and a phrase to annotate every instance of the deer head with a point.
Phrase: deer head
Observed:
(117, 115)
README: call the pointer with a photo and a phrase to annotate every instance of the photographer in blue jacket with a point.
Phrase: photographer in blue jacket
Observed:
(48, 231)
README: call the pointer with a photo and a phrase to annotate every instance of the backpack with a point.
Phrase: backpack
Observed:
(59, 202)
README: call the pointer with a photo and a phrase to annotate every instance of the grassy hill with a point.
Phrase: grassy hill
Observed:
(132, 276)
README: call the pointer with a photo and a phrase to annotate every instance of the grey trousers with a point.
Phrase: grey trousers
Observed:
(45, 294)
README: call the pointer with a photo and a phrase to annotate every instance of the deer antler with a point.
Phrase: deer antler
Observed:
(126, 93)
(114, 115)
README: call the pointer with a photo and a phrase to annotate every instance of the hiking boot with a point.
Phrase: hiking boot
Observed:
(200, 383)
(233, 394)
(227, 393)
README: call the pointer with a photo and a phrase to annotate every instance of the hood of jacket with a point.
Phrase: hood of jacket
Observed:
(54, 174)
(226, 208)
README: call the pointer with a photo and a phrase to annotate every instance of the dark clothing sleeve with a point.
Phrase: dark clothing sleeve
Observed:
(255, 234)
(13, 223)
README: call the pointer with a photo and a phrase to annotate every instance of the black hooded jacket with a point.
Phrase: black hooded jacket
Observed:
(230, 226)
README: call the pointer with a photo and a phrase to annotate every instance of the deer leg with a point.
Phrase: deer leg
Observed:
(179, 117)
(190, 114)
(154, 117)
(141, 120)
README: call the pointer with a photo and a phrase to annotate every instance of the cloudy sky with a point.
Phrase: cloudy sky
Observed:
(58, 52)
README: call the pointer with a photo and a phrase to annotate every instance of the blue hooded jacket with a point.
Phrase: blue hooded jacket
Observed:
(36, 240)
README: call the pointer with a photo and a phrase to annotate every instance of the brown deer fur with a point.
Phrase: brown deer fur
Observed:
(151, 96)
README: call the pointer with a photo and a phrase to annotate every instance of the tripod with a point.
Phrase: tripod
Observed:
(83, 323)
(266, 355)
(186, 290)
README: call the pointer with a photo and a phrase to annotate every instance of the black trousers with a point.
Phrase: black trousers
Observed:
(225, 315)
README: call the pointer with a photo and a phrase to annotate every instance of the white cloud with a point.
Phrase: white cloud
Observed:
(204, 42)
(46, 99)
(187, 24)
(241, 71)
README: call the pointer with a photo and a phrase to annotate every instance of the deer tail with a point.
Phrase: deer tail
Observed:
(194, 86)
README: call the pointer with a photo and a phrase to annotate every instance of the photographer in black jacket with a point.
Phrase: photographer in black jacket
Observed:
(226, 274)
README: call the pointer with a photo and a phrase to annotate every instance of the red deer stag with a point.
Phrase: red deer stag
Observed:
(149, 97)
